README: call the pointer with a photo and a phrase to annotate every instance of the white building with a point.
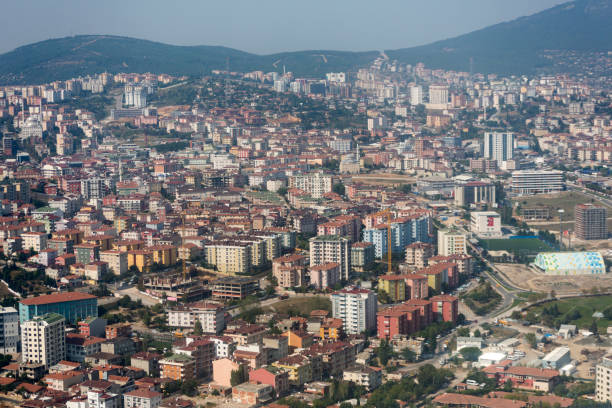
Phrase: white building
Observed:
(451, 243)
(485, 223)
(142, 398)
(210, 315)
(367, 377)
(603, 385)
(34, 240)
(498, 146)
(438, 95)
(92, 188)
(339, 77)
(416, 95)
(43, 340)
(331, 248)
(537, 181)
(315, 184)
(9, 330)
(356, 308)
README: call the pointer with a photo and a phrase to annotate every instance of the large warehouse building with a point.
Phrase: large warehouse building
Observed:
(570, 263)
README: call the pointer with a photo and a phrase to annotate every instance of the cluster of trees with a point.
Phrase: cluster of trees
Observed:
(483, 299)
(338, 391)
(171, 147)
(428, 380)
(23, 281)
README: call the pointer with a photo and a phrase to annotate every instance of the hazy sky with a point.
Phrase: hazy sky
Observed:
(260, 26)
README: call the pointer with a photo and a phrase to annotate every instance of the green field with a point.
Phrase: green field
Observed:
(578, 311)
(515, 245)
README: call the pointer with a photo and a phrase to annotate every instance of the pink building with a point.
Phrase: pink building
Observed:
(325, 275)
(222, 371)
(416, 286)
(273, 376)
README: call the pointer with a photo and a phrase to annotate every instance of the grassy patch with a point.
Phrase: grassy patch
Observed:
(578, 311)
(482, 299)
(515, 245)
(301, 305)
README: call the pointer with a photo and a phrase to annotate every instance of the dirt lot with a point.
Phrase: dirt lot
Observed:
(526, 278)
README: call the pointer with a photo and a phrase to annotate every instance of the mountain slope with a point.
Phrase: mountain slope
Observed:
(517, 46)
(68, 57)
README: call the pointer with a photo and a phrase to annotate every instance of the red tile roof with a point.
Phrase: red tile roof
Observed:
(57, 298)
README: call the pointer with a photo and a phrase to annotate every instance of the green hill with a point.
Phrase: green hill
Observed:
(515, 47)
(518, 46)
(69, 57)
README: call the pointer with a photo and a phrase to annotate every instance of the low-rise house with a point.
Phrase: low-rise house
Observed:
(365, 376)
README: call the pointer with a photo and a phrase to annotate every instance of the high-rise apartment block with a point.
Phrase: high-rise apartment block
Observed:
(603, 385)
(356, 308)
(9, 330)
(438, 94)
(498, 146)
(331, 248)
(43, 340)
(416, 95)
(315, 184)
(451, 242)
(590, 221)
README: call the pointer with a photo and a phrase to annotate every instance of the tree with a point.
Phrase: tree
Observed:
(508, 386)
(238, 377)
(409, 355)
(470, 353)
(594, 329)
(338, 188)
(531, 339)
(197, 329)
(384, 352)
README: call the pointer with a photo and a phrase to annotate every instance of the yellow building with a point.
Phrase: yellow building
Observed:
(298, 367)
(105, 242)
(394, 285)
(331, 329)
(434, 281)
(121, 223)
(164, 254)
(229, 257)
(143, 259)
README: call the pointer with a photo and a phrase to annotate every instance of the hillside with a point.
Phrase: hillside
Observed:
(68, 57)
(520, 46)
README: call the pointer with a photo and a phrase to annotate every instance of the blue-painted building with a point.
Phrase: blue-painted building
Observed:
(404, 231)
(74, 306)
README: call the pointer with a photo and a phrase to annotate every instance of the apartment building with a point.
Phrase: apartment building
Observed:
(418, 253)
(315, 184)
(356, 308)
(331, 248)
(591, 221)
(9, 330)
(229, 257)
(211, 316)
(451, 242)
(43, 340)
(603, 380)
(117, 261)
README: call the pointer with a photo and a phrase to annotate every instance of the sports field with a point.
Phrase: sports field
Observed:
(578, 311)
(515, 245)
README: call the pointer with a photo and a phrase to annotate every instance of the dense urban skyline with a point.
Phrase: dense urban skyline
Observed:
(262, 28)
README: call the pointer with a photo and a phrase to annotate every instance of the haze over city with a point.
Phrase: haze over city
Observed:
(243, 204)
(262, 26)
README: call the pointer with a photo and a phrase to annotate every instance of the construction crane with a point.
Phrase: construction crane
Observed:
(387, 213)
